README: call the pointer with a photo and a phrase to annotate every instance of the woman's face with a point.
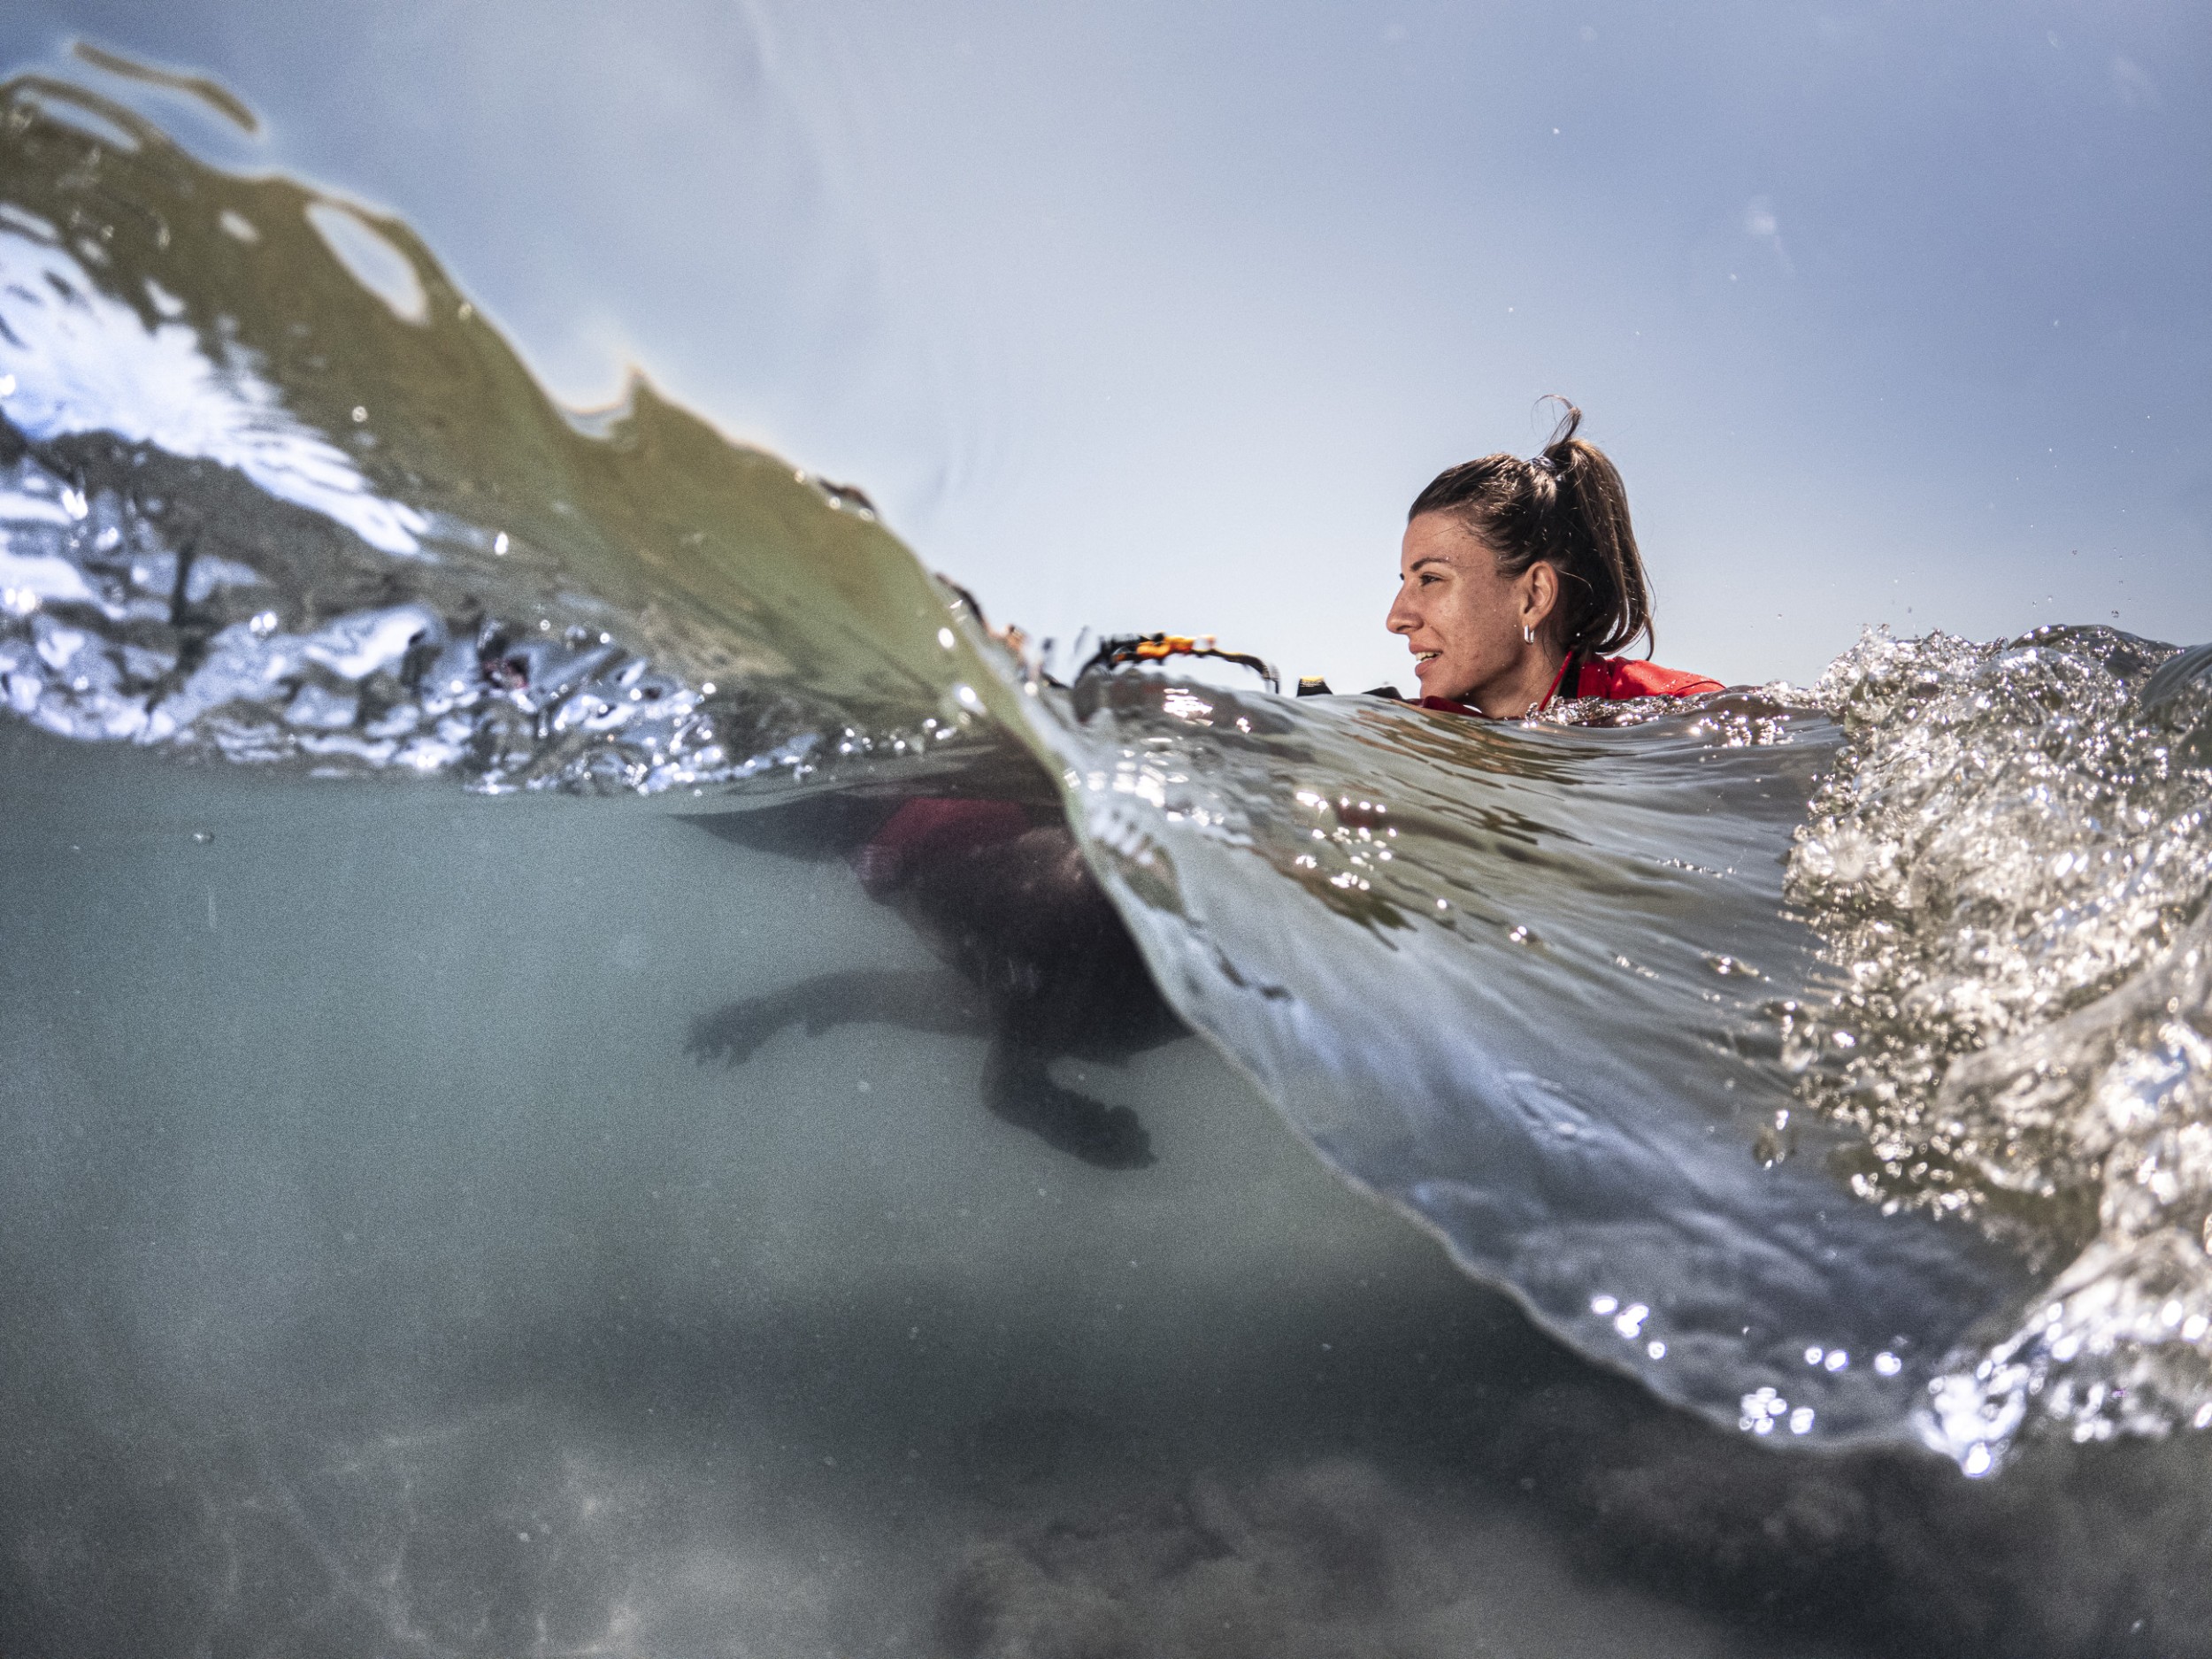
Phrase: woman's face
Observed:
(1461, 616)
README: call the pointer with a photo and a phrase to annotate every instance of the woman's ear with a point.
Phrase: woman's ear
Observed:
(1540, 593)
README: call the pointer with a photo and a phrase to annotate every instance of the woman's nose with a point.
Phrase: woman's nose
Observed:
(1400, 619)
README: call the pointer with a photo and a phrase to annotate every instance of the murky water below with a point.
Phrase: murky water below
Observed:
(386, 1279)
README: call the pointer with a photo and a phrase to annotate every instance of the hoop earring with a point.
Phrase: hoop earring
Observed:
(1528, 634)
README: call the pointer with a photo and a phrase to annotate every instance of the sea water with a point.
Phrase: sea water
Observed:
(1581, 1115)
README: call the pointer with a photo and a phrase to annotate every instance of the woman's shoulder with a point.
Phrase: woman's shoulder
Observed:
(1617, 678)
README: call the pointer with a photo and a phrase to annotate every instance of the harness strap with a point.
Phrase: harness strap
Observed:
(1566, 665)
(1152, 648)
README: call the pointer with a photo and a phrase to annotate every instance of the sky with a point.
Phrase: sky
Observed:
(1137, 315)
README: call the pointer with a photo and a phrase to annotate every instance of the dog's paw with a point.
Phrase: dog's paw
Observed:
(1115, 1140)
(731, 1034)
(1105, 1137)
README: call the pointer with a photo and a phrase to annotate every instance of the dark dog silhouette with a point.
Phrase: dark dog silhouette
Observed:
(1040, 962)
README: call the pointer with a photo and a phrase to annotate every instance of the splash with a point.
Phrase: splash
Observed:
(1519, 982)
(1829, 1060)
(2010, 862)
(273, 488)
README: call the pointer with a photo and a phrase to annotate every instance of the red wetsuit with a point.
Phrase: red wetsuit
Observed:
(1615, 679)
(932, 827)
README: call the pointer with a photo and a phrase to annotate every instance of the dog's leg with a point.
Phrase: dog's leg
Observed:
(926, 1000)
(1018, 1087)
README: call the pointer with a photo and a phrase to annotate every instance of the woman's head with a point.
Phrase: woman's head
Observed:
(1508, 565)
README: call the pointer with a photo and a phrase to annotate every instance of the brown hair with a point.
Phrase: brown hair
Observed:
(1566, 507)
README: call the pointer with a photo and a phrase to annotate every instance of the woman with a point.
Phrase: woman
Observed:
(1517, 578)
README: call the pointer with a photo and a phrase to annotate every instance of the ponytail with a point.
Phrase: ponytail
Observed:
(1566, 507)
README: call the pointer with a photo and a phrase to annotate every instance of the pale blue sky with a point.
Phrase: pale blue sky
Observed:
(1142, 315)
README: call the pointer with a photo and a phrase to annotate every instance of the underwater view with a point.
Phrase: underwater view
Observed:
(599, 1061)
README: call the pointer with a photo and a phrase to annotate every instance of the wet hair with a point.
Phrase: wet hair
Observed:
(1564, 507)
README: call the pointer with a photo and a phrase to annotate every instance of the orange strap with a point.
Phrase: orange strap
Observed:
(1165, 645)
